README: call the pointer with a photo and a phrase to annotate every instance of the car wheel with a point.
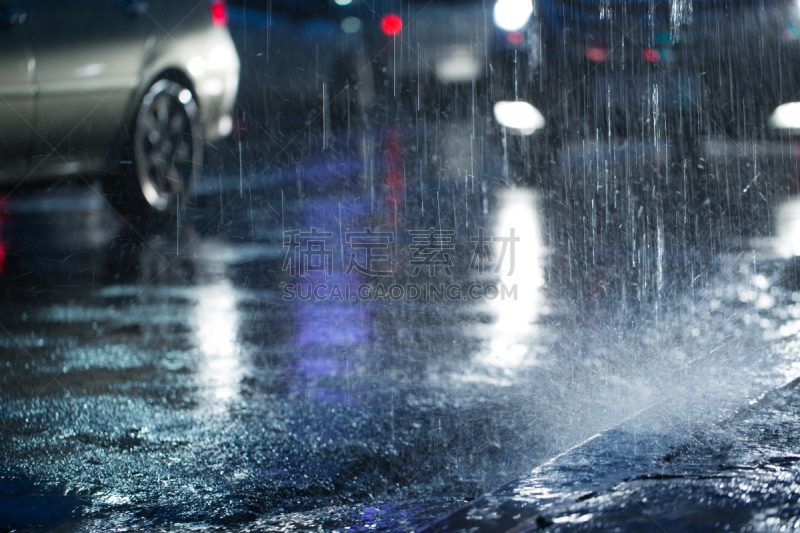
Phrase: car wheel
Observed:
(167, 146)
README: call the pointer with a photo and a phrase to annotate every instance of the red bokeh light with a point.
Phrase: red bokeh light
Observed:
(596, 54)
(515, 37)
(219, 14)
(391, 24)
(652, 55)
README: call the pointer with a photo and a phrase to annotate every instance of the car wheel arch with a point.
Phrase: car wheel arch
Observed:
(168, 73)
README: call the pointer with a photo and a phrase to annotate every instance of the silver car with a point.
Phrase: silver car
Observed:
(130, 89)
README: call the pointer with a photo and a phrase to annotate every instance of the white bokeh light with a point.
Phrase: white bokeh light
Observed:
(786, 117)
(521, 117)
(512, 15)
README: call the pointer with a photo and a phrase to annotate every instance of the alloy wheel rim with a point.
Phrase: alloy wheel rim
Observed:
(166, 144)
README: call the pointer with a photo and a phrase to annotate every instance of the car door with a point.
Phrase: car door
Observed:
(88, 57)
(16, 100)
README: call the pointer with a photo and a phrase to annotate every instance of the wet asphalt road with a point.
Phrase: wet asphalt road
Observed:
(154, 376)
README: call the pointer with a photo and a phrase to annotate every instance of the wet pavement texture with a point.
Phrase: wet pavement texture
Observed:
(156, 377)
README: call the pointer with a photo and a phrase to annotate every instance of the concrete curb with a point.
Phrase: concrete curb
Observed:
(638, 448)
(628, 450)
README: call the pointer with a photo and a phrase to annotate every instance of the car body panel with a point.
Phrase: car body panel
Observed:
(84, 83)
(92, 61)
(210, 63)
(186, 41)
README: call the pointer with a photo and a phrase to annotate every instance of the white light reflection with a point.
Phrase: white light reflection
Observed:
(225, 125)
(216, 323)
(459, 65)
(520, 117)
(513, 329)
(89, 71)
(786, 117)
(185, 96)
(211, 88)
(787, 239)
(196, 66)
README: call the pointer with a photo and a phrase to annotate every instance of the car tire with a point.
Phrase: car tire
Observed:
(167, 153)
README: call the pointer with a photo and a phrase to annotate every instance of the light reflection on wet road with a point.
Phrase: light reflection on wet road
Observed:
(159, 377)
